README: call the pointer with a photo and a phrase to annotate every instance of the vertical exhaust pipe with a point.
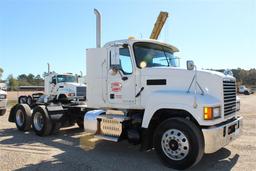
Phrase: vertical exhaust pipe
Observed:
(98, 28)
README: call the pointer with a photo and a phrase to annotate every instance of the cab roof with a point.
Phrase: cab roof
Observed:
(133, 40)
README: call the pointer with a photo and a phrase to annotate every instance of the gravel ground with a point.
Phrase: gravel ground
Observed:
(72, 149)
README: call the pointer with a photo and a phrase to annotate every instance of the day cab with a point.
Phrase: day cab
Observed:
(182, 113)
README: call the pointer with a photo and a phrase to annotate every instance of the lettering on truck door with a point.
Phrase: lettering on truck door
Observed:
(121, 81)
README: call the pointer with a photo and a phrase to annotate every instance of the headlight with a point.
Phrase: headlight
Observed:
(237, 105)
(2, 96)
(211, 113)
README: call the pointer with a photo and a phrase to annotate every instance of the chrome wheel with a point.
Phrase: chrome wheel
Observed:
(175, 144)
(29, 101)
(38, 121)
(20, 118)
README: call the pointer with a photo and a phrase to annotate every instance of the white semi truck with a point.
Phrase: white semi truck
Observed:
(3, 102)
(137, 92)
(61, 87)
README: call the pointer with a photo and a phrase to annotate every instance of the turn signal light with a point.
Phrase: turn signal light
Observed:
(208, 113)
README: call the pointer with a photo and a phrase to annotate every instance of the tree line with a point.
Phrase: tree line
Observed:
(24, 80)
(243, 77)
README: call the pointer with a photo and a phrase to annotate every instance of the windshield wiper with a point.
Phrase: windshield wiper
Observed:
(166, 58)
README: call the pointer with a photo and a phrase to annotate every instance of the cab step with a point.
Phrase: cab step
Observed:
(108, 138)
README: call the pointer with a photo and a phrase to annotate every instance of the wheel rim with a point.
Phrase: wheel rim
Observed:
(20, 119)
(38, 121)
(29, 101)
(23, 100)
(175, 144)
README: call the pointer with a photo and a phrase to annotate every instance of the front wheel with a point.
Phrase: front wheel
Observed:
(179, 143)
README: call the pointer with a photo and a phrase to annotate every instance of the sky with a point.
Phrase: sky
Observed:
(215, 34)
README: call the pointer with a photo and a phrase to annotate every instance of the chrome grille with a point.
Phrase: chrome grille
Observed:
(81, 91)
(229, 91)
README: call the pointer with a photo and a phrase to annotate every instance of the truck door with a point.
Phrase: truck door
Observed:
(121, 77)
(53, 86)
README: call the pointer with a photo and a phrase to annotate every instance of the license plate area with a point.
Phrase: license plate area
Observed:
(231, 129)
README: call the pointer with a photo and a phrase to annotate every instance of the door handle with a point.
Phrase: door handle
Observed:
(138, 94)
(124, 78)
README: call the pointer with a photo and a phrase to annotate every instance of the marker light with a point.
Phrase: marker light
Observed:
(211, 113)
(208, 113)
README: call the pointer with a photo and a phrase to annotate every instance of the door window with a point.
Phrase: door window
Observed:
(125, 61)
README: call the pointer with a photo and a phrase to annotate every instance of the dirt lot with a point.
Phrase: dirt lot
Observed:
(72, 149)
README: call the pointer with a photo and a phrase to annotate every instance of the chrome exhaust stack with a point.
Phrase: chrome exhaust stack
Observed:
(98, 28)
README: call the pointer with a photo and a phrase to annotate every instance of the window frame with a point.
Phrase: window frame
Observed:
(123, 72)
(133, 48)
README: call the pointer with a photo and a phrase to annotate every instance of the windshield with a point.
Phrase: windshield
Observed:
(154, 55)
(66, 78)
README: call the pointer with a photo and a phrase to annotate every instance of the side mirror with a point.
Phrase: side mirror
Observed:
(115, 69)
(190, 65)
(114, 58)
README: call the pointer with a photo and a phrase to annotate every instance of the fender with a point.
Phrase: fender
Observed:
(181, 100)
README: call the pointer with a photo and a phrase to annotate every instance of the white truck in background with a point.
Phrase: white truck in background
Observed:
(137, 92)
(244, 90)
(3, 102)
(61, 87)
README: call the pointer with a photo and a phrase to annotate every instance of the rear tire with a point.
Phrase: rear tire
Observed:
(41, 122)
(29, 101)
(179, 143)
(22, 117)
(22, 100)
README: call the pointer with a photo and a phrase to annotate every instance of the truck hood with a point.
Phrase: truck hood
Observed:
(178, 79)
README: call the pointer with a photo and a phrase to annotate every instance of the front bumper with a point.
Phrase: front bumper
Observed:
(217, 137)
(3, 103)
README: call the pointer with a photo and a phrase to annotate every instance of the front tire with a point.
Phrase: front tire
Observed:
(246, 93)
(179, 143)
(41, 122)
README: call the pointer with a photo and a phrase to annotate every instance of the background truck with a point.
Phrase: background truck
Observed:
(61, 87)
(137, 92)
(3, 102)
(244, 90)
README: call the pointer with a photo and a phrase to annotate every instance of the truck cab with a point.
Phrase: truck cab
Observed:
(3, 102)
(244, 90)
(64, 86)
(174, 109)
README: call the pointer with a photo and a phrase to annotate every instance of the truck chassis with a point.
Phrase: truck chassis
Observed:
(47, 118)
